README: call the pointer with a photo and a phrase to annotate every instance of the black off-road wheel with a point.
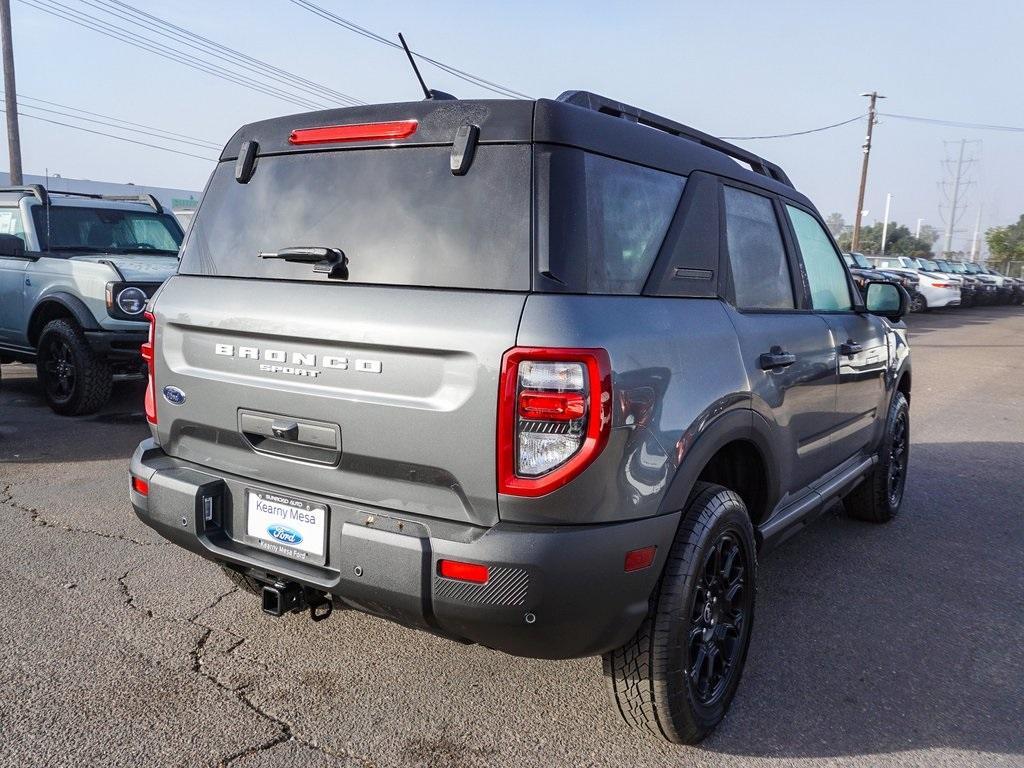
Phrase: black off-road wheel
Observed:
(75, 379)
(677, 676)
(879, 496)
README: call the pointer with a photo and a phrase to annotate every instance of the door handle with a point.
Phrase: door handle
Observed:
(776, 358)
(851, 347)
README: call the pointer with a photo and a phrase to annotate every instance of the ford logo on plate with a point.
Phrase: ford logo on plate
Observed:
(284, 534)
(174, 396)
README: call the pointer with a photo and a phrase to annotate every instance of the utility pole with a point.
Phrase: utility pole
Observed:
(917, 232)
(855, 243)
(956, 194)
(977, 234)
(885, 224)
(10, 93)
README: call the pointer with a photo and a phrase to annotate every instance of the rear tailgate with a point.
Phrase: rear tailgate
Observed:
(405, 378)
(376, 382)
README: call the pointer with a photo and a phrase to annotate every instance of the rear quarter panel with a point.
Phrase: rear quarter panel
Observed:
(676, 367)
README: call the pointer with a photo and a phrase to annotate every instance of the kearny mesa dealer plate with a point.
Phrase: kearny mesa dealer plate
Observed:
(286, 526)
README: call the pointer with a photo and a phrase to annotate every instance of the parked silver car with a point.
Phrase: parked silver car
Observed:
(76, 271)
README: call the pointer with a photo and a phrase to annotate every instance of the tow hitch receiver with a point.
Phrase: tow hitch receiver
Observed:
(281, 598)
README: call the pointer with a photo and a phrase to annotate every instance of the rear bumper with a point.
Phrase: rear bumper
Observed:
(554, 591)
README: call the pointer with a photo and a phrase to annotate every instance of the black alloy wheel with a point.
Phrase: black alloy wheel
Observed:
(61, 370)
(897, 475)
(718, 630)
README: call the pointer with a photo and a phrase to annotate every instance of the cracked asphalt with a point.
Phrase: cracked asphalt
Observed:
(897, 645)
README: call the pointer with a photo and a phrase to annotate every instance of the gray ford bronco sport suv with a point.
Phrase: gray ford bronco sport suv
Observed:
(76, 271)
(541, 375)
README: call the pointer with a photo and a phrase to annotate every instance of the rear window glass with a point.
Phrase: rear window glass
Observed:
(399, 215)
(606, 220)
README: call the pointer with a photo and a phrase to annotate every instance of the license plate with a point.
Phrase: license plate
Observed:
(286, 525)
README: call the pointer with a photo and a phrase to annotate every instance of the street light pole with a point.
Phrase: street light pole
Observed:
(10, 93)
(855, 243)
(885, 224)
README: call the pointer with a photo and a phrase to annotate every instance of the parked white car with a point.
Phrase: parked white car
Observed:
(936, 289)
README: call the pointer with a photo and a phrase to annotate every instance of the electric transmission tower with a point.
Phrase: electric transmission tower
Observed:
(955, 185)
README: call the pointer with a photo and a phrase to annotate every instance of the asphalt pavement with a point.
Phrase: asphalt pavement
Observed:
(873, 645)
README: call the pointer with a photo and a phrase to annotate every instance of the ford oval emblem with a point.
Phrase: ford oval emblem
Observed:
(284, 534)
(174, 396)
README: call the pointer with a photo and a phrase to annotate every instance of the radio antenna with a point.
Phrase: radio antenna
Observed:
(428, 94)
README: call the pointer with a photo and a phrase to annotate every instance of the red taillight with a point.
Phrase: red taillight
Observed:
(330, 134)
(147, 355)
(554, 416)
(638, 559)
(943, 285)
(140, 486)
(472, 572)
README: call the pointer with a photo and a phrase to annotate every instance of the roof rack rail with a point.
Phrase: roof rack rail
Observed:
(607, 106)
(36, 190)
(41, 194)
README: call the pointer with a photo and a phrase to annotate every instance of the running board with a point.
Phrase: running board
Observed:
(793, 517)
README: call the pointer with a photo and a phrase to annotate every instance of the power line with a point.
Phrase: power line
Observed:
(955, 123)
(127, 36)
(141, 18)
(115, 123)
(476, 80)
(119, 138)
(795, 133)
(207, 142)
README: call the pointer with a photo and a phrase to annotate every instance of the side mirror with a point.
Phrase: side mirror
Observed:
(886, 299)
(11, 245)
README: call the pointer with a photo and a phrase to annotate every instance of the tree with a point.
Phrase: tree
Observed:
(929, 234)
(1006, 244)
(835, 223)
(898, 241)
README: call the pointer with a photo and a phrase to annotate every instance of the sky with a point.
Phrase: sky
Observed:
(739, 68)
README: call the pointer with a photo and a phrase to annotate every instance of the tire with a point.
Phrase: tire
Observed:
(879, 496)
(75, 379)
(650, 678)
(918, 303)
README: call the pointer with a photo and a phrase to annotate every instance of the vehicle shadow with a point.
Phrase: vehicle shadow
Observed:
(888, 638)
(31, 433)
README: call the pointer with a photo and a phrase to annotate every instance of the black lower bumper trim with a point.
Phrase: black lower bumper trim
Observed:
(553, 591)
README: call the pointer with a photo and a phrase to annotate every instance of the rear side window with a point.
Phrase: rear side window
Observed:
(603, 220)
(830, 290)
(629, 208)
(757, 256)
(399, 215)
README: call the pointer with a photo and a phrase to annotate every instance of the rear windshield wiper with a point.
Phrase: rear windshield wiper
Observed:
(331, 261)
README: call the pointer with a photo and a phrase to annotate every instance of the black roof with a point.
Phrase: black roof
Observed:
(577, 119)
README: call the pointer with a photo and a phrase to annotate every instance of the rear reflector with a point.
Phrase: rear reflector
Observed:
(140, 486)
(329, 134)
(473, 572)
(638, 559)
